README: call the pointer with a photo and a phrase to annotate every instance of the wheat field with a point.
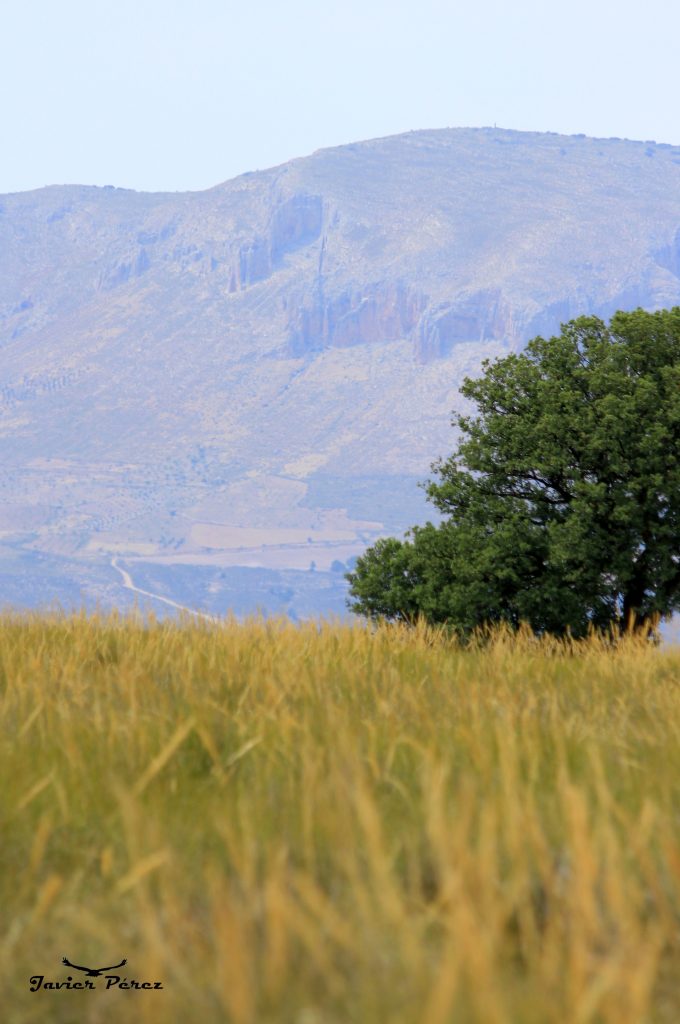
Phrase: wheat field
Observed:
(330, 823)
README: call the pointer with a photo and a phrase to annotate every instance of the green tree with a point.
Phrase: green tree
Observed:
(561, 505)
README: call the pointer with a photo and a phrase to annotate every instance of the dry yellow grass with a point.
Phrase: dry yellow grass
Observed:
(330, 824)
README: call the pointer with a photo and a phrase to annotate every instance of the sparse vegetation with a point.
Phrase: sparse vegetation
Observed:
(319, 825)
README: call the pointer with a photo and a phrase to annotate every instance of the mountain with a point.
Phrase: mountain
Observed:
(256, 376)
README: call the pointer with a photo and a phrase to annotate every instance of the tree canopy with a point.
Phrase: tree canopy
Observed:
(561, 504)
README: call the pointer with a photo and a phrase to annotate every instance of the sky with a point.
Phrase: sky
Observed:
(183, 94)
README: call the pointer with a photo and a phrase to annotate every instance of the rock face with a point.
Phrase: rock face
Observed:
(295, 222)
(379, 312)
(289, 344)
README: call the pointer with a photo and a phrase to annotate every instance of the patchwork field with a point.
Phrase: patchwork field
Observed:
(329, 823)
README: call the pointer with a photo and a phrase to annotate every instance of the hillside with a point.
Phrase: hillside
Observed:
(258, 374)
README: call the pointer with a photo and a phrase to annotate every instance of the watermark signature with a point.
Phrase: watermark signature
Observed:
(39, 981)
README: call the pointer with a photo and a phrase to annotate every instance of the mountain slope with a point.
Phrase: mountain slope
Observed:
(257, 374)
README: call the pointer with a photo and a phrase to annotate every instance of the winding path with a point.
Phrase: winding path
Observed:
(127, 582)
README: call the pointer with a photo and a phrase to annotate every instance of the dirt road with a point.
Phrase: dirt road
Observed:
(129, 584)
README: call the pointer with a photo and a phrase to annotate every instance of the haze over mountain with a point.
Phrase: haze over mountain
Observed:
(257, 375)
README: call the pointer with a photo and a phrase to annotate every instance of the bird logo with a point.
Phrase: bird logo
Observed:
(93, 972)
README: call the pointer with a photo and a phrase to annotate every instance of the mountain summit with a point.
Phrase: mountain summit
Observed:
(256, 375)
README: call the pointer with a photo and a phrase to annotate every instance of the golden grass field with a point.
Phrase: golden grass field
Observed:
(328, 824)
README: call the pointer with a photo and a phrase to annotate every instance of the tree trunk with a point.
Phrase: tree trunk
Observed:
(633, 619)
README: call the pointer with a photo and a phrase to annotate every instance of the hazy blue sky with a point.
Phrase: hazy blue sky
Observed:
(182, 94)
